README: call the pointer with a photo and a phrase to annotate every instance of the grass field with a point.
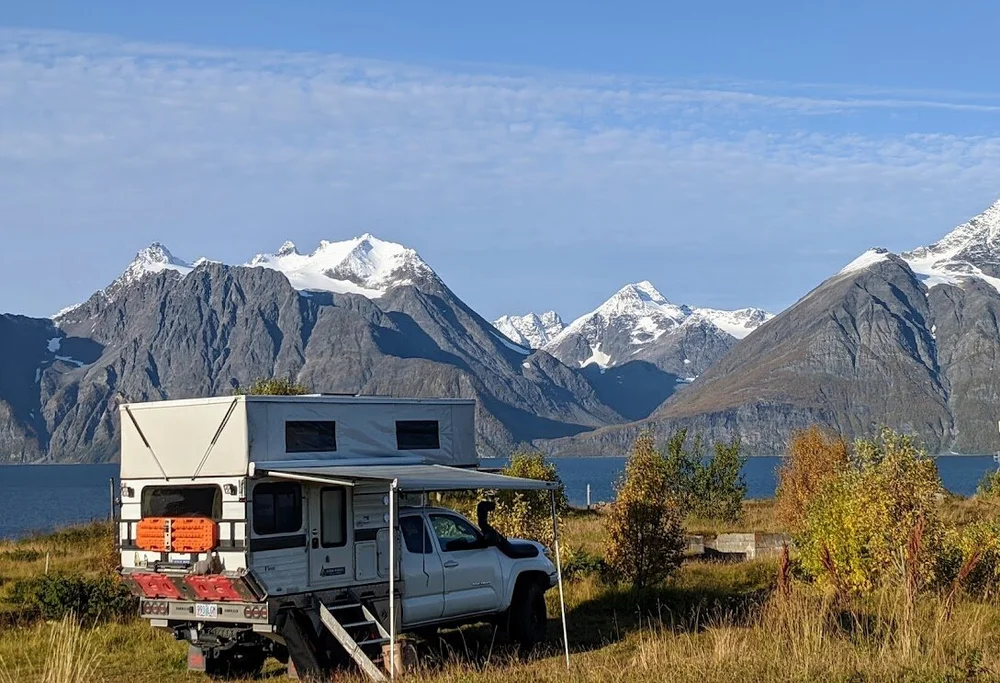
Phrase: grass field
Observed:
(710, 622)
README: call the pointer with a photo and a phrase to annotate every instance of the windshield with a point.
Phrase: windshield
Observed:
(182, 501)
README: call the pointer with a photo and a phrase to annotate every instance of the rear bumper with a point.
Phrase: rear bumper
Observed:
(553, 579)
(249, 613)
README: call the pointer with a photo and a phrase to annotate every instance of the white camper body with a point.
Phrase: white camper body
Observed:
(300, 496)
(221, 442)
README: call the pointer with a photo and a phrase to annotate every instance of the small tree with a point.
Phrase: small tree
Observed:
(644, 527)
(814, 458)
(528, 514)
(710, 488)
(274, 386)
(723, 487)
(682, 466)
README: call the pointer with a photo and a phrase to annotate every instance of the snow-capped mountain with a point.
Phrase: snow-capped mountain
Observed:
(971, 250)
(531, 330)
(364, 265)
(639, 323)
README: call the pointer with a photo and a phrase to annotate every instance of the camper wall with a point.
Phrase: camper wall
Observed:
(212, 437)
(365, 429)
(180, 437)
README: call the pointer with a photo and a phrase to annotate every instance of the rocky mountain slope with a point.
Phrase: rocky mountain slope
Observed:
(911, 341)
(360, 316)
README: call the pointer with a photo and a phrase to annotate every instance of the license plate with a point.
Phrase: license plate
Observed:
(206, 611)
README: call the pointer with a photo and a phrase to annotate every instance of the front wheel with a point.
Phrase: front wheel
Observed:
(528, 617)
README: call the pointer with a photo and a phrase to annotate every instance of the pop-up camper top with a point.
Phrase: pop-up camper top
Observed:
(257, 525)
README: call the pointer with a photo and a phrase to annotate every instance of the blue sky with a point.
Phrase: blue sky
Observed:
(537, 155)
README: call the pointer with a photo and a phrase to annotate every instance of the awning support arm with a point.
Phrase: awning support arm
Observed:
(392, 578)
(562, 599)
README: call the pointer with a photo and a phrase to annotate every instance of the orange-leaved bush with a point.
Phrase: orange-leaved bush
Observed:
(815, 457)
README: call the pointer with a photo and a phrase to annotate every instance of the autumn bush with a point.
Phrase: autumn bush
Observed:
(645, 536)
(876, 523)
(528, 514)
(989, 486)
(815, 457)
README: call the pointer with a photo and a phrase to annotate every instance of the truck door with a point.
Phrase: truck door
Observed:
(423, 595)
(331, 555)
(472, 576)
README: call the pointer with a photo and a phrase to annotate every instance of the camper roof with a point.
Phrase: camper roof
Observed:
(301, 398)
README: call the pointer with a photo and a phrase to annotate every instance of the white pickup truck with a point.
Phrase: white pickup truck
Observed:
(459, 573)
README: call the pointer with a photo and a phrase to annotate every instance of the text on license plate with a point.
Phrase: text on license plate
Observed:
(206, 611)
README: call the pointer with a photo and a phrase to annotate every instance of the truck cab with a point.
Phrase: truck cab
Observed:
(456, 573)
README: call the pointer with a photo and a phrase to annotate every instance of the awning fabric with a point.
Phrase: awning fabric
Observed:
(409, 477)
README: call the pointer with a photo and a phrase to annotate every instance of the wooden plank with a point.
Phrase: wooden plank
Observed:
(353, 649)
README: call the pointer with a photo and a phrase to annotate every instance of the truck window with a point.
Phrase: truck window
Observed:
(454, 533)
(277, 508)
(417, 435)
(415, 536)
(313, 436)
(182, 501)
(333, 515)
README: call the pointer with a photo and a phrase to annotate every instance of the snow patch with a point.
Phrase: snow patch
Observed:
(687, 361)
(38, 375)
(54, 344)
(511, 345)
(597, 356)
(530, 330)
(866, 260)
(72, 361)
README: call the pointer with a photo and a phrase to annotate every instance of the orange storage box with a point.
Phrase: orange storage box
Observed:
(177, 534)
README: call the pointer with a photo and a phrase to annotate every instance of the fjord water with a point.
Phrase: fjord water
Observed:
(44, 497)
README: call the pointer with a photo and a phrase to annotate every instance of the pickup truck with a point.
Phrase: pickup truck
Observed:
(458, 573)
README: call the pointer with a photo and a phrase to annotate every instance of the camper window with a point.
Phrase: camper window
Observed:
(314, 436)
(333, 510)
(277, 508)
(182, 501)
(417, 435)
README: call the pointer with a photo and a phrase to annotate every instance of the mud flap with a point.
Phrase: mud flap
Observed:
(196, 659)
(300, 639)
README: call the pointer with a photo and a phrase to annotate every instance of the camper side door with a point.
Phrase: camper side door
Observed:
(331, 536)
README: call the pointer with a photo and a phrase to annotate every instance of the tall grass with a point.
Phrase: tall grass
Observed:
(71, 656)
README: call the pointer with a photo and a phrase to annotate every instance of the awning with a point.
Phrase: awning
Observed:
(414, 478)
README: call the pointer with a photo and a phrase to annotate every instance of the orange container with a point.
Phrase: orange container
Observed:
(177, 534)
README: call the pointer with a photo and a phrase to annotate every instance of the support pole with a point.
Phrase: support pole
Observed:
(562, 599)
(588, 497)
(392, 577)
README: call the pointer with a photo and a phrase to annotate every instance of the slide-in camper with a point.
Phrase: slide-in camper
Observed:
(261, 525)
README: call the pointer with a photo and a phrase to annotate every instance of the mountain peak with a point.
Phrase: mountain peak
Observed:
(363, 265)
(153, 259)
(531, 330)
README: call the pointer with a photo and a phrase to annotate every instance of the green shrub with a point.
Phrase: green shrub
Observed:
(970, 558)
(876, 523)
(989, 485)
(274, 386)
(577, 562)
(528, 514)
(57, 595)
(645, 537)
(706, 487)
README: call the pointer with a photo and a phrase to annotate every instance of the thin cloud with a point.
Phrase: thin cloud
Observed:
(118, 143)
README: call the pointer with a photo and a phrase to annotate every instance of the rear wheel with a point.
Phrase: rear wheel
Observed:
(528, 617)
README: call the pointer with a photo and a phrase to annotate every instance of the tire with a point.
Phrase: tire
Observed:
(528, 617)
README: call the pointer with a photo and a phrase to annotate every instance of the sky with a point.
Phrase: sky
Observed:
(537, 155)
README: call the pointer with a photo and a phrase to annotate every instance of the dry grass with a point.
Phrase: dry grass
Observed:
(711, 622)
